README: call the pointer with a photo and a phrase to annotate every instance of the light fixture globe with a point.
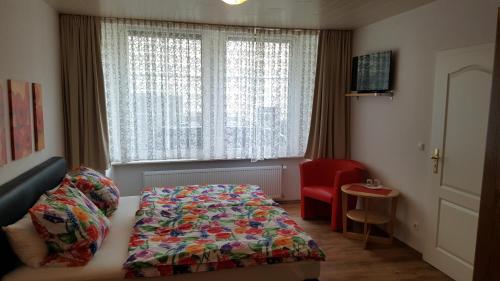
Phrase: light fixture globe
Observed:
(234, 2)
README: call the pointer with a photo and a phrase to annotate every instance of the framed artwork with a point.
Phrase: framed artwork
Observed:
(20, 119)
(38, 116)
(3, 134)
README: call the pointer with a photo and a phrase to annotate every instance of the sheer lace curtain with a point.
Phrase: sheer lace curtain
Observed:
(188, 91)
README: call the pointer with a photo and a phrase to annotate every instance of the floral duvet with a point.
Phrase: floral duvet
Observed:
(205, 228)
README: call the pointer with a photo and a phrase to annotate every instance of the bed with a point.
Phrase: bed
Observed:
(17, 196)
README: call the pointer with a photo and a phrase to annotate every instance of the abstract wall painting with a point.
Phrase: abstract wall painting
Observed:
(38, 116)
(20, 119)
(3, 133)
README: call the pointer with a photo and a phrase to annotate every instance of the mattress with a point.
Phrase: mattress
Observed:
(198, 228)
(107, 264)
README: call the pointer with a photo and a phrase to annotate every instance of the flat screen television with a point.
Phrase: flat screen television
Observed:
(372, 72)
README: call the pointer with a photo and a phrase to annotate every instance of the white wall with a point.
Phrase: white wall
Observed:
(29, 51)
(129, 177)
(385, 132)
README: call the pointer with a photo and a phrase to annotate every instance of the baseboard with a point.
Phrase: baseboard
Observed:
(282, 202)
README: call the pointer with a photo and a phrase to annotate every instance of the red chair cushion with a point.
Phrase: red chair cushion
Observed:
(321, 193)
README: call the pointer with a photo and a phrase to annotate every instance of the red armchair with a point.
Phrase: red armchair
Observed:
(320, 180)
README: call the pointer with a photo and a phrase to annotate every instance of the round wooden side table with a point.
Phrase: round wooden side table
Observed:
(366, 216)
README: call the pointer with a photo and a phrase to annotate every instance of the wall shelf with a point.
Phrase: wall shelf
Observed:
(371, 94)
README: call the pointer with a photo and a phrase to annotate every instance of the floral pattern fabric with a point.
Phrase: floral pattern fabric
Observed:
(208, 196)
(99, 189)
(205, 228)
(71, 225)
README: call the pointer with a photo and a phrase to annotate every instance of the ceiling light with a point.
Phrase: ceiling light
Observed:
(234, 2)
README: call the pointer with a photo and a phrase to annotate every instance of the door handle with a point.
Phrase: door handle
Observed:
(435, 160)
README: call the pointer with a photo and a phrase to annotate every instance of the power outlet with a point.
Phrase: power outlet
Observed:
(421, 146)
(416, 226)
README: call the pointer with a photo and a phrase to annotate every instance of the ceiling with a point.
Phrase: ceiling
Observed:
(311, 14)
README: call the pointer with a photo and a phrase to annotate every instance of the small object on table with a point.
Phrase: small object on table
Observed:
(372, 183)
(369, 182)
(366, 216)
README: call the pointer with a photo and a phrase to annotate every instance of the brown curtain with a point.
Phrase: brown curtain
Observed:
(85, 124)
(329, 133)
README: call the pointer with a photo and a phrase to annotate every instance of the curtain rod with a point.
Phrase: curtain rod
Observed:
(208, 24)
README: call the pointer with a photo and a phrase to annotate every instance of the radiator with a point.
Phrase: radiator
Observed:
(267, 177)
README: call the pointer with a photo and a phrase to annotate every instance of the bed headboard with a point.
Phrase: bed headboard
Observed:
(19, 194)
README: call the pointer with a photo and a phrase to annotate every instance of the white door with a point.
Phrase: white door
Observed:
(460, 119)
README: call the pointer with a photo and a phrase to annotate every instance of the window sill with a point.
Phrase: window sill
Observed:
(173, 161)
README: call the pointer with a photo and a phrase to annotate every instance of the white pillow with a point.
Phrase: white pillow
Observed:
(52, 190)
(29, 247)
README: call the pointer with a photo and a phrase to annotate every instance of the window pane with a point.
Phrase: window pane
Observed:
(256, 100)
(165, 73)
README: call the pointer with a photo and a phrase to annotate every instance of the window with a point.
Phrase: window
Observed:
(256, 100)
(177, 91)
(165, 72)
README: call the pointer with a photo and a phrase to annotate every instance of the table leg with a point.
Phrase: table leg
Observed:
(344, 212)
(394, 206)
(367, 235)
(365, 207)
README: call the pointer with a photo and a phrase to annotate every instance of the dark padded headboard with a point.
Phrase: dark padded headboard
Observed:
(19, 194)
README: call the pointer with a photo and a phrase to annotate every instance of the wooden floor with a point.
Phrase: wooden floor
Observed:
(346, 260)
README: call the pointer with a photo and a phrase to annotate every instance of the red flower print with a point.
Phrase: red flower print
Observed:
(165, 201)
(135, 242)
(172, 240)
(106, 182)
(40, 208)
(40, 229)
(88, 186)
(214, 230)
(204, 241)
(186, 261)
(82, 253)
(241, 222)
(223, 235)
(163, 230)
(144, 205)
(254, 231)
(185, 227)
(298, 228)
(286, 232)
(199, 211)
(92, 232)
(280, 253)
